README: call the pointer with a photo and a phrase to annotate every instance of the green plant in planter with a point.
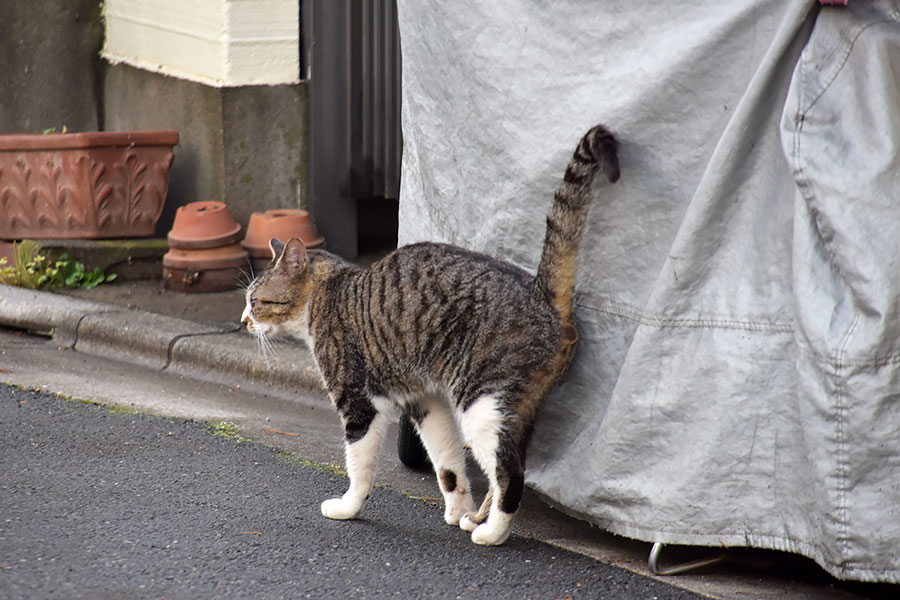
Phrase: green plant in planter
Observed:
(40, 272)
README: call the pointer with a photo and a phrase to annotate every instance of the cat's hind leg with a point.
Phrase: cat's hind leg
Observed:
(485, 428)
(364, 430)
(437, 427)
(471, 520)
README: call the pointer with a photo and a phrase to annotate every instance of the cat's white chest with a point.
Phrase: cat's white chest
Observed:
(299, 329)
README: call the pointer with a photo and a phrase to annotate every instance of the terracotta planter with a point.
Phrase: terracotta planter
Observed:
(83, 185)
(281, 224)
(201, 225)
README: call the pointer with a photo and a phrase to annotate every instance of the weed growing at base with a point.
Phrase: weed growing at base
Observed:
(39, 272)
(227, 429)
(333, 468)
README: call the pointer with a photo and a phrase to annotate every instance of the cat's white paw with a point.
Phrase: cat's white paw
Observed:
(485, 535)
(457, 506)
(338, 508)
(450, 517)
(467, 524)
(495, 530)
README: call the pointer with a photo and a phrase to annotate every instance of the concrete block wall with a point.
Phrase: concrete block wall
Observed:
(246, 146)
(49, 71)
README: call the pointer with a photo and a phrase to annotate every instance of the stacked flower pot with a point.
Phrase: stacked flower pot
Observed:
(205, 253)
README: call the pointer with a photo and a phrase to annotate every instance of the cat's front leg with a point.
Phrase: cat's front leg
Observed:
(363, 431)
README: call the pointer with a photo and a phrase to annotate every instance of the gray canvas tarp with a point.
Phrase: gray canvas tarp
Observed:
(738, 375)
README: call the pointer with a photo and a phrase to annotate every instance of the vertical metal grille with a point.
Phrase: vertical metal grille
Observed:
(353, 53)
(380, 98)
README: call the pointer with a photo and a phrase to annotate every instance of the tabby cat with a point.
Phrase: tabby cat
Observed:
(466, 345)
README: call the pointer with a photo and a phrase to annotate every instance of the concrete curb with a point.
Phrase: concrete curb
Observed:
(217, 353)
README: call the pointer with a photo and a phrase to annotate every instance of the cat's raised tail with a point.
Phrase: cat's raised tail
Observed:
(566, 219)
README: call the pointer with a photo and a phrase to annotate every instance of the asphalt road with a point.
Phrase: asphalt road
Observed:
(99, 503)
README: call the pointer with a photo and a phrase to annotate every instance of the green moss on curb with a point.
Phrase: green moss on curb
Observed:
(333, 468)
(226, 429)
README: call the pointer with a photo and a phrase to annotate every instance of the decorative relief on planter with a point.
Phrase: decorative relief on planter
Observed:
(83, 185)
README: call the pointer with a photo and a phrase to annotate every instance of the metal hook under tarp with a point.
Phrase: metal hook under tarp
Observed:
(653, 562)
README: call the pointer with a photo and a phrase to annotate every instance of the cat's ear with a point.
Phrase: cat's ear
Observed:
(276, 246)
(293, 256)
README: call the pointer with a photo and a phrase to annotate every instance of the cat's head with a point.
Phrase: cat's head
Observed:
(276, 300)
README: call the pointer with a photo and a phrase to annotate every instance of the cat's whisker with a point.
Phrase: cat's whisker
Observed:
(260, 347)
(269, 348)
(250, 271)
(245, 278)
(266, 348)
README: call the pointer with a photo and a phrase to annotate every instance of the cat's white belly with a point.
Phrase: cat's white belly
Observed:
(396, 403)
(387, 407)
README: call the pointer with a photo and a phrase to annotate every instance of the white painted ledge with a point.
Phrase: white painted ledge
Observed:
(217, 42)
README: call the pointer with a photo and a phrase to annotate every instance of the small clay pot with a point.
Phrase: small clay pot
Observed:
(201, 225)
(232, 255)
(282, 224)
(191, 281)
(205, 269)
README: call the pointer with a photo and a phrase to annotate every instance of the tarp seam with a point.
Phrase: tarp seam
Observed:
(636, 316)
(843, 461)
(633, 314)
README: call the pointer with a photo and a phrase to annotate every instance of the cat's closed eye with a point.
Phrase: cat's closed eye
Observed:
(258, 301)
